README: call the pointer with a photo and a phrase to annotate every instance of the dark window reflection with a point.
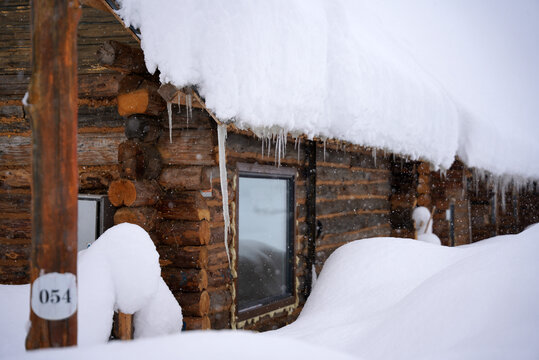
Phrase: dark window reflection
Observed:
(264, 267)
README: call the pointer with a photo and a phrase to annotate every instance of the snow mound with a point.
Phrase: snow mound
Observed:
(379, 297)
(366, 72)
(233, 345)
(120, 271)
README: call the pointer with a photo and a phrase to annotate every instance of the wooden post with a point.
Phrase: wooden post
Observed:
(52, 107)
(310, 154)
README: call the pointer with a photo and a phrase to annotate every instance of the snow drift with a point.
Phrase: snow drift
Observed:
(377, 298)
(358, 71)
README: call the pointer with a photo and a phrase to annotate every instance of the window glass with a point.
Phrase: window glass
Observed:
(264, 266)
(87, 223)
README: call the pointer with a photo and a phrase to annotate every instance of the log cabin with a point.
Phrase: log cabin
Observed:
(150, 154)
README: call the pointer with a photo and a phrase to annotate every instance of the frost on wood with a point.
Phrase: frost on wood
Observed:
(221, 139)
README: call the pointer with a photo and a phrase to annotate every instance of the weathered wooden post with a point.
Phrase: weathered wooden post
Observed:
(52, 107)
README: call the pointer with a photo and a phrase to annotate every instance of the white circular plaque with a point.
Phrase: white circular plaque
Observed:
(54, 296)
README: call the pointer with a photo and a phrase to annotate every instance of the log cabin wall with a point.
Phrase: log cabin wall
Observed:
(189, 226)
(494, 213)
(353, 190)
(243, 147)
(450, 196)
(101, 129)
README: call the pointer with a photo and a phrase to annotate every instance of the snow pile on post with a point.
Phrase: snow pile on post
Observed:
(476, 301)
(121, 271)
(333, 69)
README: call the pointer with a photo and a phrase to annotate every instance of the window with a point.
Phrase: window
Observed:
(266, 219)
(95, 215)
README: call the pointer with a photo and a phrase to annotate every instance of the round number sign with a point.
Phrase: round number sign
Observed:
(54, 296)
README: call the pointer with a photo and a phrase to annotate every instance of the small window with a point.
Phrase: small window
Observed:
(265, 239)
(95, 215)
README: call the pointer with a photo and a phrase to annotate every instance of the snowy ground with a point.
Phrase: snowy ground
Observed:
(381, 298)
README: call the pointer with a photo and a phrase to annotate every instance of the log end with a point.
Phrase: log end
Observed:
(122, 192)
(134, 102)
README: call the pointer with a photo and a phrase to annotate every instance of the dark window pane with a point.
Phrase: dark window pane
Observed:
(263, 268)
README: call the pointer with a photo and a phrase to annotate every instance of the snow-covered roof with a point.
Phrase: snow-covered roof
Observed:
(431, 80)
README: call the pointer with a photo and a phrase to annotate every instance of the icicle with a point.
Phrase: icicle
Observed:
(221, 140)
(169, 109)
(299, 147)
(189, 103)
(325, 149)
(374, 155)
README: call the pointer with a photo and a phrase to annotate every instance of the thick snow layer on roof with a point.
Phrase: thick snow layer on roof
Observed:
(376, 298)
(385, 74)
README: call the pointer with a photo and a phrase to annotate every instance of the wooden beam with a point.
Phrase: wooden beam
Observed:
(122, 58)
(52, 107)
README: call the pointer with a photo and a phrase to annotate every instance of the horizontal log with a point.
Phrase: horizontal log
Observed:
(138, 161)
(349, 205)
(15, 178)
(142, 128)
(352, 222)
(122, 58)
(339, 239)
(19, 227)
(12, 110)
(102, 85)
(194, 304)
(185, 178)
(91, 85)
(97, 177)
(187, 205)
(185, 280)
(220, 300)
(145, 217)
(183, 233)
(15, 203)
(138, 95)
(189, 147)
(134, 193)
(184, 256)
(15, 252)
(197, 323)
(99, 115)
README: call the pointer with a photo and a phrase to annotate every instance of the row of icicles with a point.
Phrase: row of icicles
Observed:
(188, 110)
(277, 139)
